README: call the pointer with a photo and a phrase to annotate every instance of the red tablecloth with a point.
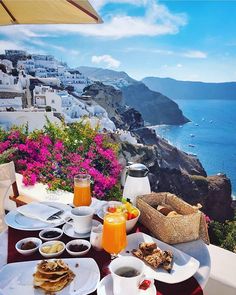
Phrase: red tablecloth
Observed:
(188, 287)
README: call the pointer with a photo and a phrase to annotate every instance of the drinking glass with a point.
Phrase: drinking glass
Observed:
(82, 191)
(114, 233)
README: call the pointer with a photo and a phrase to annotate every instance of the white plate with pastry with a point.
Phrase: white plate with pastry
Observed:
(163, 262)
(72, 276)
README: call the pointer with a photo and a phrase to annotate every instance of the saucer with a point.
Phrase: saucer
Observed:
(105, 288)
(68, 230)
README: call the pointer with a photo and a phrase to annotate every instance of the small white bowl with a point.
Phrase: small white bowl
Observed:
(37, 242)
(129, 223)
(78, 242)
(55, 229)
(51, 255)
(111, 204)
(132, 222)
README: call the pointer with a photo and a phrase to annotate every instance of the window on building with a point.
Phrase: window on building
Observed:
(53, 101)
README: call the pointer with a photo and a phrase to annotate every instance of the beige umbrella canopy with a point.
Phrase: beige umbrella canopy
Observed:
(47, 12)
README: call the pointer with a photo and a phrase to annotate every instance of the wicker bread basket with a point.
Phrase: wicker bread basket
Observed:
(189, 226)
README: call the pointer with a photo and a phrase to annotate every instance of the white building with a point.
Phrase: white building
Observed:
(28, 65)
(7, 82)
(76, 110)
(11, 52)
(74, 78)
(50, 81)
(41, 73)
(7, 63)
(45, 61)
(14, 102)
(36, 119)
(46, 96)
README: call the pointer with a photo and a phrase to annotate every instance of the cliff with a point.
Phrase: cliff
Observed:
(191, 89)
(155, 108)
(111, 100)
(172, 170)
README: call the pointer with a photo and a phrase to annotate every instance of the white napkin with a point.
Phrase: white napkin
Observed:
(97, 204)
(38, 211)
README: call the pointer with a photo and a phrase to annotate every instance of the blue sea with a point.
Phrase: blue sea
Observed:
(211, 134)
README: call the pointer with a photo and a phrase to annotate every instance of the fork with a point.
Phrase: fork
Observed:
(56, 215)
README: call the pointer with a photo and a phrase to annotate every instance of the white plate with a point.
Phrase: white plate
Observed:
(17, 278)
(184, 266)
(105, 288)
(68, 230)
(18, 221)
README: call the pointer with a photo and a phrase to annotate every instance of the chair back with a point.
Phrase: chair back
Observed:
(7, 180)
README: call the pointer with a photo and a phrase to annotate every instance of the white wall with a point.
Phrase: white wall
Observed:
(15, 102)
(36, 120)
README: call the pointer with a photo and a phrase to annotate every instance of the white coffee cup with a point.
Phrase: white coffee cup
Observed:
(127, 285)
(81, 219)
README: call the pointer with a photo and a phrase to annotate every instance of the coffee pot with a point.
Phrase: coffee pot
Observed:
(137, 182)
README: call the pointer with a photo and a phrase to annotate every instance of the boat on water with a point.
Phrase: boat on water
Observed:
(196, 124)
(192, 135)
(191, 145)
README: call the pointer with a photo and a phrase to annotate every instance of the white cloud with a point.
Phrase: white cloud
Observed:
(195, 54)
(156, 20)
(179, 65)
(107, 60)
(9, 45)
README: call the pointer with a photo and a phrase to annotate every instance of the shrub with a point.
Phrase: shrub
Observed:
(55, 154)
(224, 234)
(199, 180)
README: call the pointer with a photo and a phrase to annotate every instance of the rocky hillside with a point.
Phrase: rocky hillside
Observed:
(154, 107)
(111, 100)
(190, 89)
(172, 170)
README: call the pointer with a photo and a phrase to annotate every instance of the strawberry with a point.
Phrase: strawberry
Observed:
(145, 285)
(111, 209)
(129, 215)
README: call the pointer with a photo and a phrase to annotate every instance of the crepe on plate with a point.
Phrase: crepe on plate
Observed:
(52, 276)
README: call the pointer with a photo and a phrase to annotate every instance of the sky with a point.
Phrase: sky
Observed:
(185, 40)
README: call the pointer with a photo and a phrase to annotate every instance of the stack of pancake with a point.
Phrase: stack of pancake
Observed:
(52, 276)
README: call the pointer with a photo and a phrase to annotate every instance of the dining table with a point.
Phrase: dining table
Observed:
(192, 286)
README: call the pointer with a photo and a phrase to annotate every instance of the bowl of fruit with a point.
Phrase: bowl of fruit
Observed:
(131, 213)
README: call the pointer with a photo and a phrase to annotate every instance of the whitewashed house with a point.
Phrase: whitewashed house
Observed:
(45, 61)
(74, 78)
(8, 82)
(7, 63)
(28, 65)
(41, 72)
(46, 96)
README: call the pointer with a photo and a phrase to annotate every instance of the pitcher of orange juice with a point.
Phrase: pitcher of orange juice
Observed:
(82, 191)
(114, 233)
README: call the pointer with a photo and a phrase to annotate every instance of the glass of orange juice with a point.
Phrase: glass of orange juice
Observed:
(114, 233)
(82, 191)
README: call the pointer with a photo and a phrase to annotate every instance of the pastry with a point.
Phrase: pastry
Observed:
(154, 256)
